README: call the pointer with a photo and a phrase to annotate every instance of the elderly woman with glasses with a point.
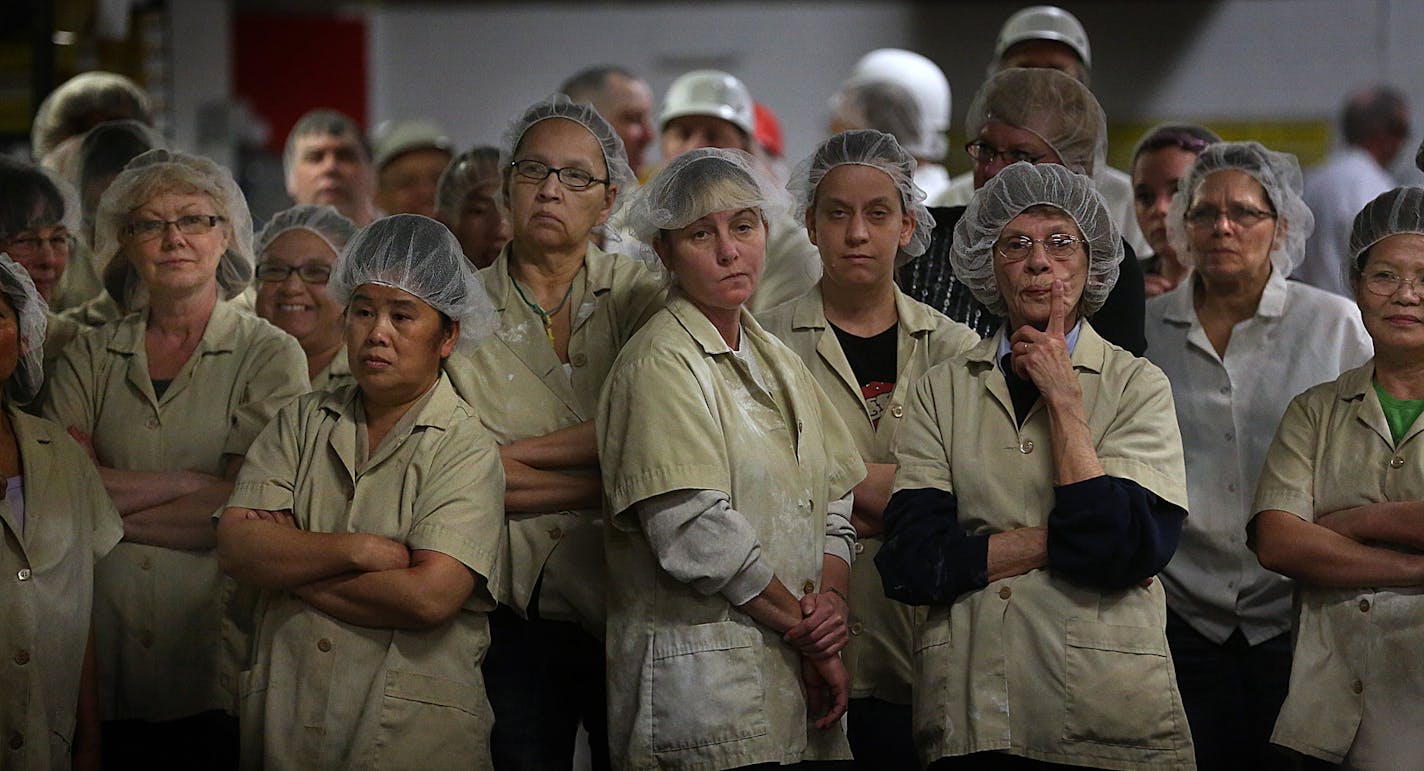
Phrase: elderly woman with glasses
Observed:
(295, 254)
(1237, 341)
(1039, 487)
(1340, 509)
(168, 398)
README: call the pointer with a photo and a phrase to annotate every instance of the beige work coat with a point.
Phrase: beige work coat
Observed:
(162, 651)
(336, 374)
(47, 570)
(1039, 665)
(878, 655)
(692, 681)
(324, 694)
(519, 389)
(1358, 669)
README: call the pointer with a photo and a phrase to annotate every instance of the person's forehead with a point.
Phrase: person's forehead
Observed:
(622, 92)
(1044, 54)
(326, 142)
(1010, 137)
(562, 137)
(1234, 184)
(1045, 217)
(707, 123)
(300, 245)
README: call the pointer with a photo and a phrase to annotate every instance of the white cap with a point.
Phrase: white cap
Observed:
(925, 82)
(710, 92)
(1045, 22)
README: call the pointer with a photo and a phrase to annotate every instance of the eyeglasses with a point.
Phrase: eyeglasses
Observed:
(985, 153)
(573, 179)
(310, 273)
(1385, 284)
(188, 224)
(29, 243)
(1059, 246)
(1240, 216)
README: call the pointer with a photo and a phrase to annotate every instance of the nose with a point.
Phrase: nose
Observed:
(727, 249)
(550, 189)
(1037, 260)
(378, 334)
(172, 236)
(857, 231)
(1159, 206)
(292, 284)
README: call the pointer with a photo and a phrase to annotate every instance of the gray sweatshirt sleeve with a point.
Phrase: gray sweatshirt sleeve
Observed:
(699, 539)
(840, 533)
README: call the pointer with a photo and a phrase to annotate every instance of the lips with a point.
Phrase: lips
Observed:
(375, 362)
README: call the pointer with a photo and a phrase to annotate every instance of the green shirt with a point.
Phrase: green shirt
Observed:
(1399, 413)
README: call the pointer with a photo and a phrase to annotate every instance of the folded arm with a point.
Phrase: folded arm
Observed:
(1310, 553)
(264, 551)
(425, 595)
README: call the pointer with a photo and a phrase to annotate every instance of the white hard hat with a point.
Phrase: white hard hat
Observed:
(1045, 22)
(925, 82)
(709, 92)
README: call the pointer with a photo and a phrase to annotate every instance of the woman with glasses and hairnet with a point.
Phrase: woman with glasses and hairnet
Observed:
(1039, 487)
(1237, 340)
(295, 255)
(866, 343)
(55, 523)
(371, 514)
(1338, 509)
(466, 200)
(168, 398)
(565, 309)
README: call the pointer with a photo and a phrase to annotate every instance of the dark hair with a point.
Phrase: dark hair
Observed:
(1184, 136)
(325, 123)
(1380, 110)
(586, 85)
(28, 198)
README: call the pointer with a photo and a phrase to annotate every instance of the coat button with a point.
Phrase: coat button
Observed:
(856, 628)
(151, 423)
(897, 411)
(859, 547)
(578, 360)
(146, 563)
(1005, 593)
(555, 533)
(1364, 606)
(1396, 462)
(17, 740)
(1026, 446)
(323, 645)
(24, 574)
(22, 657)
(1357, 687)
(808, 587)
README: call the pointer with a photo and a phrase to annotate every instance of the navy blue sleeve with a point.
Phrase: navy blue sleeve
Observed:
(926, 558)
(1111, 532)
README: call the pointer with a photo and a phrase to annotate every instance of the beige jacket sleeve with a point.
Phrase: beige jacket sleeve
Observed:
(274, 373)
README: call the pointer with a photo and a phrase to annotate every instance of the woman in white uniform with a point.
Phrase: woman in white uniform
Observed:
(55, 523)
(728, 479)
(1039, 488)
(1339, 510)
(866, 343)
(373, 515)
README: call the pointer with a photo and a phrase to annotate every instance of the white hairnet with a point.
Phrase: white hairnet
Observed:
(469, 170)
(877, 150)
(162, 171)
(1020, 186)
(1396, 211)
(30, 316)
(420, 256)
(1280, 177)
(697, 183)
(325, 222)
(70, 109)
(615, 158)
(1055, 107)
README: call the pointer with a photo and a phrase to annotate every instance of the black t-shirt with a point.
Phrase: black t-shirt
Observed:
(872, 359)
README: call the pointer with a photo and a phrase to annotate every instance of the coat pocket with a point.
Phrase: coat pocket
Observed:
(1120, 688)
(432, 722)
(705, 686)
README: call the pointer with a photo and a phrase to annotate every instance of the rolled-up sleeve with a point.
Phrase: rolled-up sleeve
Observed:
(1111, 532)
(699, 539)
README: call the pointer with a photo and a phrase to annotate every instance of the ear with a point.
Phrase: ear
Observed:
(660, 248)
(907, 229)
(609, 198)
(811, 226)
(1282, 230)
(452, 336)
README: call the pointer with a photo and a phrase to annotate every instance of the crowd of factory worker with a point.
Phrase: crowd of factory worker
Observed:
(540, 453)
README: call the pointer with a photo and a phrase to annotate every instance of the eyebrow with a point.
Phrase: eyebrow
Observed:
(883, 200)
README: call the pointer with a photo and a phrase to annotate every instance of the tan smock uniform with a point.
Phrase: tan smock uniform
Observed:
(692, 681)
(47, 569)
(325, 694)
(336, 374)
(519, 388)
(1357, 674)
(878, 654)
(157, 610)
(1036, 664)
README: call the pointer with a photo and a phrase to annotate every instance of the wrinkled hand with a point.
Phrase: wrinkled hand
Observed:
(1043, 356)
(84, 442)
(827, 689)
(823, 630)
(283, 517)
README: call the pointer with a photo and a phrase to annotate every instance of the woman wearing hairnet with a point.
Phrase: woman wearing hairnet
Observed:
(1038, 116)
(1039, 487)
(372, 515)
(728, 477)
(1237, 340)
(866, 343)
(168, 398)
(295, 255)
(57, 521)
(565, 309)
(1338, 509)
(467, 201)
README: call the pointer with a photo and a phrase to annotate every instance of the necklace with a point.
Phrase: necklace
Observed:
(545, 316)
